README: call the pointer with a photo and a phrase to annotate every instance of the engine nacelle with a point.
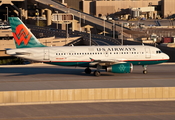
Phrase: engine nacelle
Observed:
(120, 68)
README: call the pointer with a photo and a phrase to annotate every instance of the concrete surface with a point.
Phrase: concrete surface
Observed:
(91, 111)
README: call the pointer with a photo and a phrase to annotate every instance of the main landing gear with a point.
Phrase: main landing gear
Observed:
(88, 71)
(145, 69)
(96, 73)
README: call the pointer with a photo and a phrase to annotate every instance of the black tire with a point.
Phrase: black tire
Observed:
(87, 71)
(96, 73)
(144, 71)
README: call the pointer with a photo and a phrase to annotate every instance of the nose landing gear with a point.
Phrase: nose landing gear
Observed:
(145, 69)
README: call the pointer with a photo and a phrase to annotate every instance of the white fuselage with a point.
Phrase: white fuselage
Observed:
(131, 53)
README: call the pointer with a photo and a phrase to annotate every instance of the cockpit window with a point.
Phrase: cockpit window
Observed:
(158, 52)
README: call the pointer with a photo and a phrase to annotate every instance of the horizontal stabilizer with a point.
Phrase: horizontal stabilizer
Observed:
(22, 53)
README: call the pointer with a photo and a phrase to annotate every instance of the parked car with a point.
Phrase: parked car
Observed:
(116, 18)
(4, 26)
(109, 18)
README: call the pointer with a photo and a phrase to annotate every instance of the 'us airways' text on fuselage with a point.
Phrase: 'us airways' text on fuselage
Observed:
(116, 49)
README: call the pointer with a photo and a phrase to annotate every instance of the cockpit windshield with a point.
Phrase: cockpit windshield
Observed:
(158, 51)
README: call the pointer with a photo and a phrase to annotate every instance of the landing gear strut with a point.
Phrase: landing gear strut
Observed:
(87, 70)
(97, 72)
(144, 69)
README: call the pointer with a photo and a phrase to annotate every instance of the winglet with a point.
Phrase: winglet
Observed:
(91, 59)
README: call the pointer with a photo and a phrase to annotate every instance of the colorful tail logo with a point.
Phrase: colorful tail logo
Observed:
(22, 35)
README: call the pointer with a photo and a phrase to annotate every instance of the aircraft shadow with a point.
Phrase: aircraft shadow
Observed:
(19, 71)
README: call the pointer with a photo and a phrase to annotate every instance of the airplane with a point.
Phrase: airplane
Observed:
(115, 58)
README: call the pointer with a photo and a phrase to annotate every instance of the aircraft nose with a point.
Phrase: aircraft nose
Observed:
(166, 57)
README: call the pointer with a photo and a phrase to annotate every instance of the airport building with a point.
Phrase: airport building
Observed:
(123, 9)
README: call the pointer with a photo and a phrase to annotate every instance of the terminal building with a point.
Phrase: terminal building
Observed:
(122, 9)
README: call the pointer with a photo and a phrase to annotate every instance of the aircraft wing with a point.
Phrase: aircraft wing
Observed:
(106, 62)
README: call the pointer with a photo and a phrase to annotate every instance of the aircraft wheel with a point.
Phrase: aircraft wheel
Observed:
(87, 71)
(144, 71)
(96, 73)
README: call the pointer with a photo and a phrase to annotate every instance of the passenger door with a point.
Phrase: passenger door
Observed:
(46, 54)
(147, 53)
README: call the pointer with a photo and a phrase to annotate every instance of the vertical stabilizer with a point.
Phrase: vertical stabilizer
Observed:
(22, 35)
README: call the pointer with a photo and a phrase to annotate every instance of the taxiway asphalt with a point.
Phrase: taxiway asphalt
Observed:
(44, 77)
(41, 76)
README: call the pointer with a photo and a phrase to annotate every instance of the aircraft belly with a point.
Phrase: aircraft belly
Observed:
(150, 62)
(81, 64)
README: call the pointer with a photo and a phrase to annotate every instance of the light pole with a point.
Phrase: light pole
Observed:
(7, 13)
(67, 22)
(84, 19)
(67, 34)
(57, 19)
(113, 29)
(72, 21)
(122, 34)
(67, 9)
(89, 37)
(37, 12)
(80, 20)
(104, 26)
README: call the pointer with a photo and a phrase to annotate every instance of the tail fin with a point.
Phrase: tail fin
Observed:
(22, 35)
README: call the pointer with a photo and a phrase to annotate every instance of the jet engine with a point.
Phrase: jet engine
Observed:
(120, 68)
